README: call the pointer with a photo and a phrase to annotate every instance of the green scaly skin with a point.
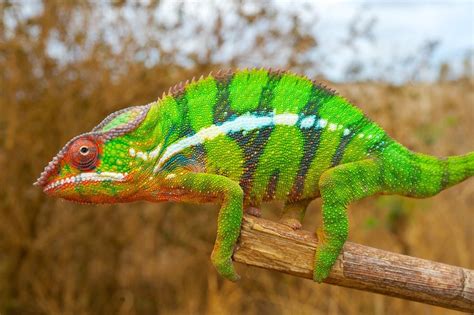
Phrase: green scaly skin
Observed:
(242, 138)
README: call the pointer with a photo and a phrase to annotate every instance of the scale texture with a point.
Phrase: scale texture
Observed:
(242, 138)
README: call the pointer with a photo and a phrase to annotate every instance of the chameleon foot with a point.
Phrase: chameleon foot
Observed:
(324, 258)
(253, 211)
(293, 214)
(224, 266)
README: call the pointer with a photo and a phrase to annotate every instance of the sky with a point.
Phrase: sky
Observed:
(402, 27)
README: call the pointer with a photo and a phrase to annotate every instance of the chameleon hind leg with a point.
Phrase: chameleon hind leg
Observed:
(339, 186)
(293, 213)
(201, 186)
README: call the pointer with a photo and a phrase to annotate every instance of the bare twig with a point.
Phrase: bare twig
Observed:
(277, 247)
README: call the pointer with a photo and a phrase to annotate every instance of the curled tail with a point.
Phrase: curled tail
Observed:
(419, 175)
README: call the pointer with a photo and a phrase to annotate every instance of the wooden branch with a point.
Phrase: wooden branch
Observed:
(274, 246)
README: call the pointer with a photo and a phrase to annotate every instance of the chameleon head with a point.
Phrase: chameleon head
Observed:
(95, 167)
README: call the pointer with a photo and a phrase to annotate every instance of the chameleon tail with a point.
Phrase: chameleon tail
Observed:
(420, 175)
(459, 168)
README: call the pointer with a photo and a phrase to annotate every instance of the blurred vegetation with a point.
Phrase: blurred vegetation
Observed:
(67, 65)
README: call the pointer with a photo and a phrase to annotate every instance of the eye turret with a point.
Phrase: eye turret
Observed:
(84, 154)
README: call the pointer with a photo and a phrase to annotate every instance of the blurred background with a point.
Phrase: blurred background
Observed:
(65, 65)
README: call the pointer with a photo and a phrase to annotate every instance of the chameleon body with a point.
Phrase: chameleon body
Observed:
(242, 138)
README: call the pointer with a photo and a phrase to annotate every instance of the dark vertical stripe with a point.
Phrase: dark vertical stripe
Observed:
(345, 140)
(252, 143)
(320, 95)
(265, 103)
(222, 109)
(311, 138)
(272, 185)
(337, 157)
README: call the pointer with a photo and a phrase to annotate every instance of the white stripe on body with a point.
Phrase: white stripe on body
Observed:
(245, 122)
(307, 122)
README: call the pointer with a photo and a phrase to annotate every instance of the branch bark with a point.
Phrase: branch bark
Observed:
(274, 246)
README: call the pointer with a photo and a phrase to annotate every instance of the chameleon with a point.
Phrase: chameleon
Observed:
(239, 138)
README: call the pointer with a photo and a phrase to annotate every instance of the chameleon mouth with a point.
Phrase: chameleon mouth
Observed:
(86, 178)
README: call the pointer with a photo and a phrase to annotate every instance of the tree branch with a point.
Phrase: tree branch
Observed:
(274, 246)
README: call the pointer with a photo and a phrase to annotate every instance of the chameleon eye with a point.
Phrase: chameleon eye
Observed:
(84, 150)
(84, 154)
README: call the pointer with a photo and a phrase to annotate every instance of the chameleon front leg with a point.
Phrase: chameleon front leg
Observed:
(339, 186)
(209, 186)
(293, 213)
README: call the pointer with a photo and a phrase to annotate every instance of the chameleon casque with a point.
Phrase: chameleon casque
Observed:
(240, 138)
